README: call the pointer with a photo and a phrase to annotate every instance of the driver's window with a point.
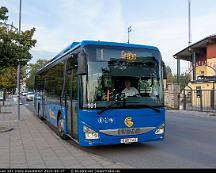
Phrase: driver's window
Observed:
(149, 87)
(145, 86)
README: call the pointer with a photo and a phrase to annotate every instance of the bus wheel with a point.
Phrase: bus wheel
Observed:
(61, 128)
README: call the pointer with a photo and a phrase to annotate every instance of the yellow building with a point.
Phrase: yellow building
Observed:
(199, 93)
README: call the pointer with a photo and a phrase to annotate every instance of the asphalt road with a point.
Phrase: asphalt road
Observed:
(190, 142)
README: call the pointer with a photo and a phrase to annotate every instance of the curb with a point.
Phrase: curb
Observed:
(97, 157)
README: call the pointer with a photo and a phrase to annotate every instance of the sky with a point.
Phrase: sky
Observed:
(160, 23)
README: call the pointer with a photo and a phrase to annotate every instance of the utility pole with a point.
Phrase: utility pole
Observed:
(189, 30)
(18, 67)
(129, 30)
(189, 22)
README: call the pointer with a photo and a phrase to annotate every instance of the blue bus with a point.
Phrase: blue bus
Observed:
(103, 93)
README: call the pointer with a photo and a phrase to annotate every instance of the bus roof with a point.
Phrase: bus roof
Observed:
(105, 43)
(83, 43)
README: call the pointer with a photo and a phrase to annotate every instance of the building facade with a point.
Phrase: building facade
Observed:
(199, 93)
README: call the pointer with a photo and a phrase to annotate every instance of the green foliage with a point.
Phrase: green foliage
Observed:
(33, 68)
(170, 77)
(3, 12)
(184, 78)
(14, 47)
(8, 77)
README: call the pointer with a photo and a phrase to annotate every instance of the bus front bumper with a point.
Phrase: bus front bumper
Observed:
(114, 140)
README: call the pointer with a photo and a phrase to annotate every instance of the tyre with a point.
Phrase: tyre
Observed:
(60, 125)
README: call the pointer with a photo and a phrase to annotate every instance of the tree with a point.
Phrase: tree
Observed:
(33, 68)
(14, 47)
(184, 78)
(3, 12)
(170, 77)
(8, 77)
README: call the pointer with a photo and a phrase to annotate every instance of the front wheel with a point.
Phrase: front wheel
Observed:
(61, 128)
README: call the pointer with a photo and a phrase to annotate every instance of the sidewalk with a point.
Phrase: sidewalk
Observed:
(32, 144)
(193, 113)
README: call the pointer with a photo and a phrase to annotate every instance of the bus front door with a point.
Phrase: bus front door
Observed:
(72, 104)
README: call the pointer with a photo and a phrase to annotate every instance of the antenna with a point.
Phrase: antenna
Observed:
(129, 30)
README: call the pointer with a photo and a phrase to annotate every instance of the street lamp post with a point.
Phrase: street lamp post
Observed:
(189, 22)
(129, 30)
(189, 29)
(18, 67)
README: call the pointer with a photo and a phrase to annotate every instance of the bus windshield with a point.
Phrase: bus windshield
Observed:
(113, 74)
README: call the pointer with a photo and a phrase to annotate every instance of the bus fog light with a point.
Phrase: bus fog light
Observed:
(160, 130)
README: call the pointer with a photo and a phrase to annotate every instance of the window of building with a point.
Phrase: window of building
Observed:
(198, 91)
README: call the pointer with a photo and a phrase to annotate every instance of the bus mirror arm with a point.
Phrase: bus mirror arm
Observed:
(82, 63)
(164, 70)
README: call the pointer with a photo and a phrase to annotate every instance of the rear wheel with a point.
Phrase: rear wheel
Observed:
(61, 128)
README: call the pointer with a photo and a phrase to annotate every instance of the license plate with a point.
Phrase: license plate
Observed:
(129, 140)
(128, 131)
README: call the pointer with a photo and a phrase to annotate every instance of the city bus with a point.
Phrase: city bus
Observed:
(81, 92)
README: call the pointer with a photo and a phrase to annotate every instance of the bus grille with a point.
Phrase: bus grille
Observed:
(128, 131)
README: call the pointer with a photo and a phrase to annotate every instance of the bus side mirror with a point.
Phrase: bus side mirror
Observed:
(82, 63)
(164, 70)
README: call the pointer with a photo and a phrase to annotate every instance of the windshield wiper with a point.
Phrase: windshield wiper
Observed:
(118, 102)
(151, 107)
(109, 106)
(147, 106)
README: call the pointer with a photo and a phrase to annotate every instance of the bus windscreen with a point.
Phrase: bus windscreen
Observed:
(122, 74)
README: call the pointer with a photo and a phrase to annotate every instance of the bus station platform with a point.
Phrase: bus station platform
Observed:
(30, 143)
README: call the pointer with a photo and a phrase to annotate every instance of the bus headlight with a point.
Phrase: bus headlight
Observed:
(89, 133)
(160, 130)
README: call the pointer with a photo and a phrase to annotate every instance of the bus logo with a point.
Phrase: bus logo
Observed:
(128, 56)
(128, 122)
(52, 114)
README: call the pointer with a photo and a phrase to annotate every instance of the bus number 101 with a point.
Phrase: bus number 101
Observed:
(92, 105)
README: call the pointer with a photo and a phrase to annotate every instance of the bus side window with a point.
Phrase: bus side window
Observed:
(54, 81)
(74, 85)
(71, 72)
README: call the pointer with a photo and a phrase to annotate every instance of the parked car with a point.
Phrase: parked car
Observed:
(30, 96)
(24, 93)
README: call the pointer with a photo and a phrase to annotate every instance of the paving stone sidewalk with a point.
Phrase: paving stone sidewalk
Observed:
(32, 144)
